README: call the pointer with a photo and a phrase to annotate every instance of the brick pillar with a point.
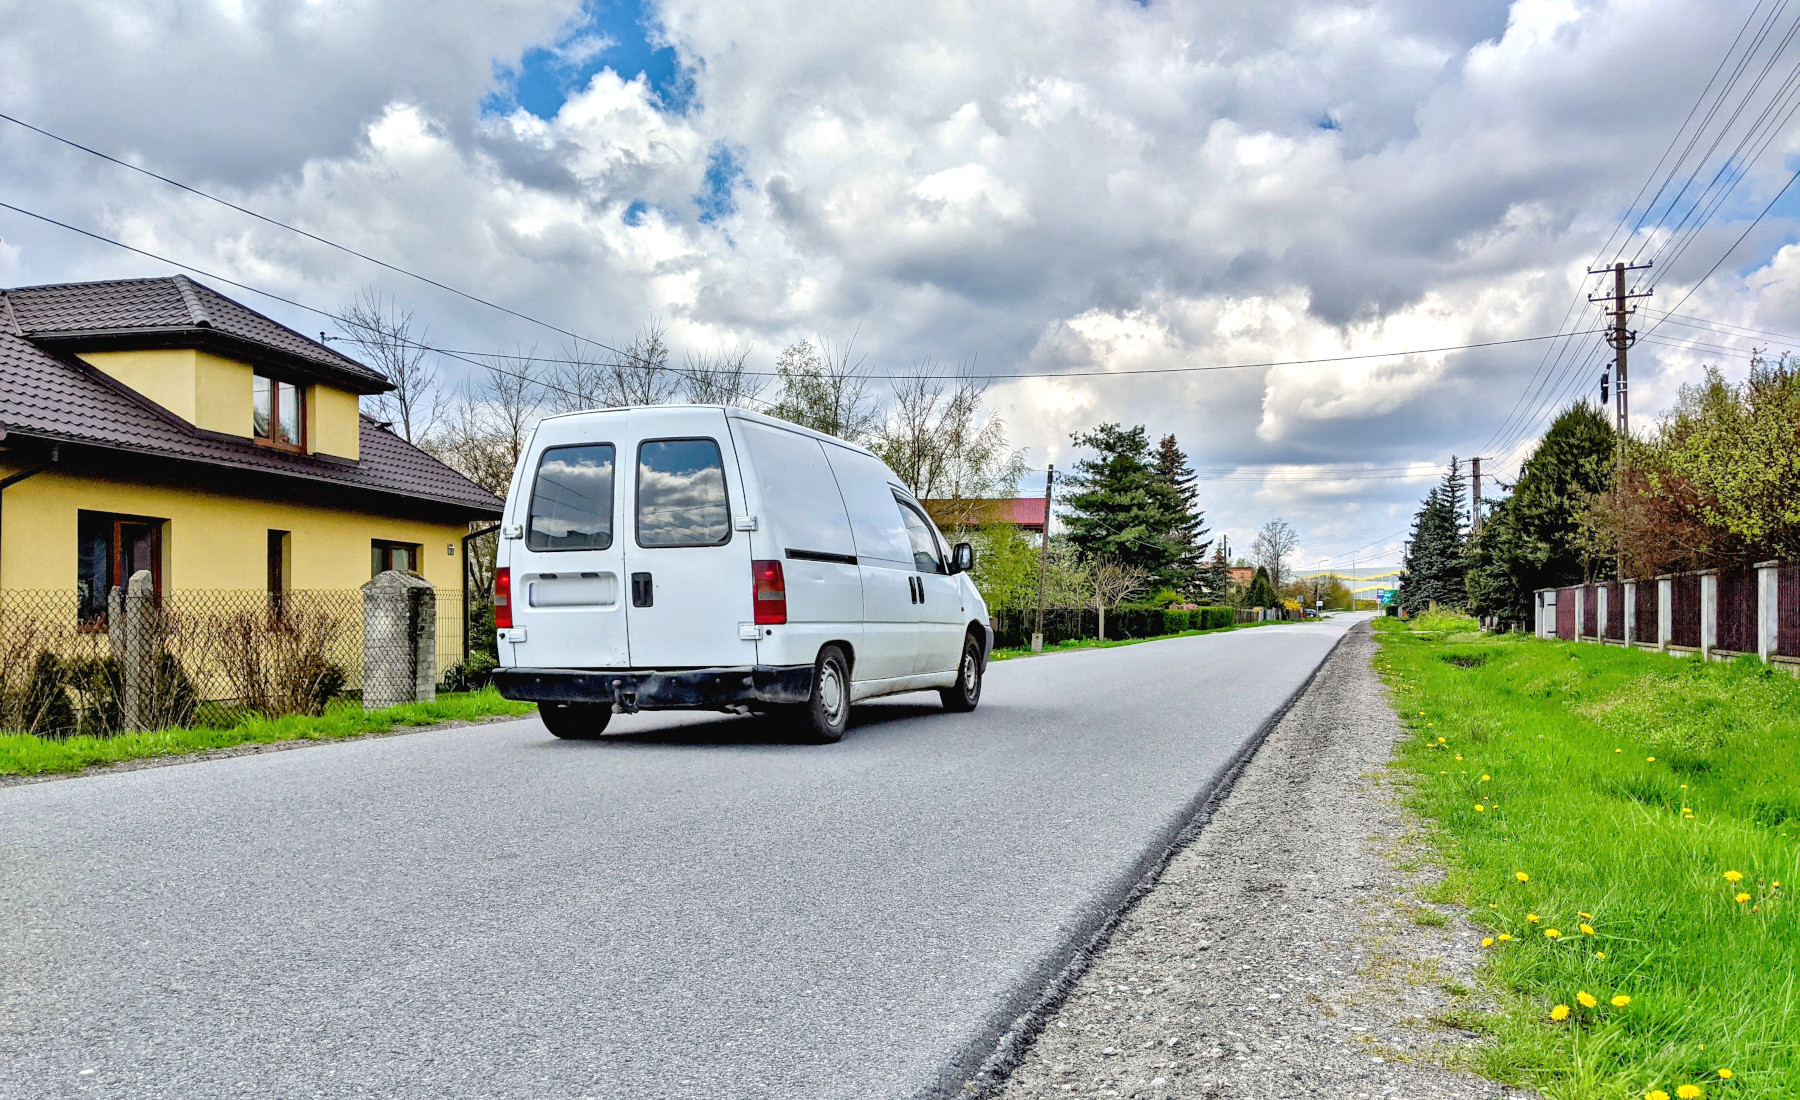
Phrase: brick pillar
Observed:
(399, 640)
(1665, 611)
(1768, 608)
(1709, 613)
(1630, 616)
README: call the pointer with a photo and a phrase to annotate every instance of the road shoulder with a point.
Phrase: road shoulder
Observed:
(1286, 950)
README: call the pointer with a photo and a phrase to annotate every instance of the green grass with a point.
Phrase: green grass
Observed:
(1566, 734)
(1007, 653)
(27, 754)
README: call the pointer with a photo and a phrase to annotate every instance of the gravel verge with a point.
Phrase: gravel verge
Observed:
(1285, 951)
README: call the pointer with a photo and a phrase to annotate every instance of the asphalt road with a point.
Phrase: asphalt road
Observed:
(689, 909)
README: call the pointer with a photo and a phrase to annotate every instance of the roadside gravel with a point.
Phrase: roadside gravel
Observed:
(1285, 952)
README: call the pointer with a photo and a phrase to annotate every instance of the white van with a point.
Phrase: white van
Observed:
(707, 558)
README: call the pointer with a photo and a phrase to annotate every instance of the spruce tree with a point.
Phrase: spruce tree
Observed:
(1436, 565)
(1218, 578)
(1118, 507)
(1187, 533)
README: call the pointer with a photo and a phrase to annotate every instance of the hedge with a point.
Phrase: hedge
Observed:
(1061, 624)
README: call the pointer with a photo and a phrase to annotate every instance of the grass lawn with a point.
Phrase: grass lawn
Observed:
(1626, 826)
(26, 754)
(1010, 652)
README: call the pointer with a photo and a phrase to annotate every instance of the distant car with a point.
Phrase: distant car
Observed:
(708, 558)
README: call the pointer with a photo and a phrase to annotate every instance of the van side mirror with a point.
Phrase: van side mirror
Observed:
(962, 558)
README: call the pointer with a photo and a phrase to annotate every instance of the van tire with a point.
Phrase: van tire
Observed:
(826, 713)
(575, 721)
(965, 694)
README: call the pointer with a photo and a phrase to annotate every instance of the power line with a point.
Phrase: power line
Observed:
(1734, 244)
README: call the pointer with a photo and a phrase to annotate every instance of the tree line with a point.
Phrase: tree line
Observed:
(1714, 484)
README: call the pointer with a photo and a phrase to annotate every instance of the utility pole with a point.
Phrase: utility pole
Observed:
(1475, 495)
(1622, 337)
(1037, 635)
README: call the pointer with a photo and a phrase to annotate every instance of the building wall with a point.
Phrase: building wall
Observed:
(215, 392)
(211, 540)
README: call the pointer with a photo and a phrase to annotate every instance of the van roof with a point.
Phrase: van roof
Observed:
(731, 411)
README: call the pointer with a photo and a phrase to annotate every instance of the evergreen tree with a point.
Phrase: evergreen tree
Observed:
(1435, 569)
(1118, 507)
(1262, 590)
(1533, 539)
(1217, 581)
(1186, 535)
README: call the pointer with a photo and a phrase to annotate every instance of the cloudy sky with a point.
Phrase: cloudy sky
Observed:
(1063, 187)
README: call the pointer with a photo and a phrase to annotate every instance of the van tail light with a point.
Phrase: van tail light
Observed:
(502, 598)
(769, 591)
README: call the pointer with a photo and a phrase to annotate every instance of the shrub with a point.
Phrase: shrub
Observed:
(45, 708)
(470, 675)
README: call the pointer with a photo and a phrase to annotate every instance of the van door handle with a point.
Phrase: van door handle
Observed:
(643, 594)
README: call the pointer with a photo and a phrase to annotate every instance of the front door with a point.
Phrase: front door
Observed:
(940, 611)
(689, 570)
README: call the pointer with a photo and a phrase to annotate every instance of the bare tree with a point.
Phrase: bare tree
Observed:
(383, 332)
(937, 440)
(1114, 583)
(1273, 544)
(822, 388)
(485, 435)
(721, 378)
(637, 374)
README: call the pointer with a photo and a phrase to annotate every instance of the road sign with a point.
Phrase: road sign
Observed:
(1384, 596)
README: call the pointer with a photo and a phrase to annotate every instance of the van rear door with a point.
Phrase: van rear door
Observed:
(689, 585)
(568, 564)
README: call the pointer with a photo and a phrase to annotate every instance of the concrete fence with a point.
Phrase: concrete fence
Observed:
(1716, 614)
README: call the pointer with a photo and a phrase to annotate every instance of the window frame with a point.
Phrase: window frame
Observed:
(612, 533)
(273, 440)
(637, 495)
(115, 544)
(387, 548)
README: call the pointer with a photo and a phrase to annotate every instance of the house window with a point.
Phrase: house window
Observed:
(385, 555)
(110, 548)
(280, 413)
(278, 574)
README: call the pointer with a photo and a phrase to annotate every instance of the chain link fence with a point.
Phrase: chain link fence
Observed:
(195, 657)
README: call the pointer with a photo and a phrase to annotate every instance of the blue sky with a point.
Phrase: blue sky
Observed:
(620, 35)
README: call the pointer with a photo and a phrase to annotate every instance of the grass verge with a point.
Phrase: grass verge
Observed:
(27, 754)
(1626, 826)
(1009, 653)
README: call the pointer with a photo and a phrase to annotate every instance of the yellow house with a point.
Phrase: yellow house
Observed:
(157, 424)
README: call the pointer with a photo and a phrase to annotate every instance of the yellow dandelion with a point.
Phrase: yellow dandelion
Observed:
(1479, 807)
(1491, 905)
(1433, 724)
(1585, 916)
(1599, 954)
(1504, 936)
(1459, 756)
(1650, 759)
(1587, 929)
(1741, 897)
(1560, 1012)
(1552, 934)
(1440, 740)
(1734, 876)
(1621, 1001)
(1684, 786)
(1618, 750)
(1690, 1092)
(1487, 941)
(1586, 999)
(1724, 1074)
(1532, 917)
(1656, 1094)
(1521, 876)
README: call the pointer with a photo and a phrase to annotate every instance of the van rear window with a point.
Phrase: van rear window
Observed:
(572, 499)
(681, 494)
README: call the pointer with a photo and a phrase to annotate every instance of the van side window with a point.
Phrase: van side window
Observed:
(926, 558)
(572, 499)
(681, 494)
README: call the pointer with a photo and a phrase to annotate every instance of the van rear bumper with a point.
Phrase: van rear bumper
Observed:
(629, 690)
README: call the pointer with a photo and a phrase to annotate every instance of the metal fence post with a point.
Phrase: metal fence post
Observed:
(1665, 612)
(399, 640)
(137, 656)
(1709, 613)
(1768, 608)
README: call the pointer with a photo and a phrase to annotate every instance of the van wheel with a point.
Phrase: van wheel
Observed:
(575, 721)
(827, 712)
(966, 692)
